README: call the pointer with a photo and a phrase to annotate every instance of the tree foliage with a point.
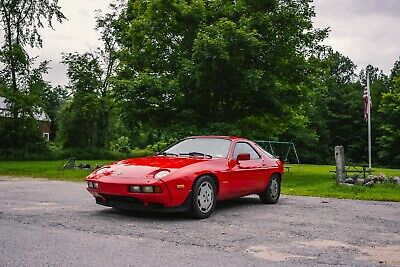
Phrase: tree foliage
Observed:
(169, 69)
(91, 103)
(21, 21)
(389, 139)
(79, 118)
(206, 63)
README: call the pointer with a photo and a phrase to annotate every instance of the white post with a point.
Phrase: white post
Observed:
(369, 125)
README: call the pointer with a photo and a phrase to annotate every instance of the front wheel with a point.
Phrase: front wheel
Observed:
(273, 191)
(204, 197)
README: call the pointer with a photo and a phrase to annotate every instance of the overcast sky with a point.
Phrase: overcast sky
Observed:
(367, 31)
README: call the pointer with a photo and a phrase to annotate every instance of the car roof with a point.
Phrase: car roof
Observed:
(232, 138)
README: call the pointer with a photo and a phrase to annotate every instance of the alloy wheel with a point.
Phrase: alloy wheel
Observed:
(205, 197)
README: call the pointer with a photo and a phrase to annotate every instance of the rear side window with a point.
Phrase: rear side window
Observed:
(245, 148)
(269, 155)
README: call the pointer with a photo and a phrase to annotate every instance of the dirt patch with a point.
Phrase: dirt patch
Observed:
(270, 254)
(322, 244)
(389, 255)
(380, 254)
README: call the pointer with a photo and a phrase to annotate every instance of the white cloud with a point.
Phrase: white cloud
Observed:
(367, 31)
(76, 34)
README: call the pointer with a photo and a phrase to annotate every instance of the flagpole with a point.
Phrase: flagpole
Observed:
(369, 124)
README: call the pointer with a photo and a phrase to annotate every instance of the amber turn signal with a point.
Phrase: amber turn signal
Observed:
(157, 189)
(180, 186)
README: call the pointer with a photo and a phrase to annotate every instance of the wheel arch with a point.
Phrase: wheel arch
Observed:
(213, 176)
(278, 174)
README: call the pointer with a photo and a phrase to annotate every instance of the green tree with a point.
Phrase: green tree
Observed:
(79, 118)
(27, 138)
(90, 84)
(108, 59)
(236, 66)
(389, 139)
(333, 109)
(345, 108)
(21, 21)
(379, 85)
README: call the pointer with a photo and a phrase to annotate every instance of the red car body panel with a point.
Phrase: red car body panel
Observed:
(233, 179)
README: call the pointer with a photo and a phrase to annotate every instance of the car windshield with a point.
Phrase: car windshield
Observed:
(206, 147)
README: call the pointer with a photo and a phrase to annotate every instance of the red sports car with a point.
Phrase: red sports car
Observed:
(191, 175)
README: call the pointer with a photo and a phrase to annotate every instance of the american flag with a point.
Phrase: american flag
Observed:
(367, 103)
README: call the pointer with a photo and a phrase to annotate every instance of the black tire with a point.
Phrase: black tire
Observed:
(272, 193)
(204, 197)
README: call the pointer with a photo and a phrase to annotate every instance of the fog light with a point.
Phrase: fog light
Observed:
(134, 189)
(147, 189)
(96, 185)
(90, 184)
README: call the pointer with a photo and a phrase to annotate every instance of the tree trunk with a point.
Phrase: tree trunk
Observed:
(14, 87)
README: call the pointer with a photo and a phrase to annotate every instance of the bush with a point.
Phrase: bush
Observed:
(121, 145)
(24, 154)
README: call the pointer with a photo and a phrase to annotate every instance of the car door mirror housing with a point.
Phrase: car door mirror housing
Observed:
(243, 157)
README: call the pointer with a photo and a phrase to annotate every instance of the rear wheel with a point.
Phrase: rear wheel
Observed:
(273, 191)
(204, 197)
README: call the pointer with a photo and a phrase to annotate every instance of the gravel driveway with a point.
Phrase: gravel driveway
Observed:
(45, 223)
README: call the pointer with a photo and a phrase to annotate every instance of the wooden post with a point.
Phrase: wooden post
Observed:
(340, 164)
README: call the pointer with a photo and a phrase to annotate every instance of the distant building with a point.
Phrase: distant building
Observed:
(42, 118)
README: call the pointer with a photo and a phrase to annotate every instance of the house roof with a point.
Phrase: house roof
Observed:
(39, 116)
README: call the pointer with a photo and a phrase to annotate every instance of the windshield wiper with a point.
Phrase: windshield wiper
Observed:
(194, 154)
(167, 154)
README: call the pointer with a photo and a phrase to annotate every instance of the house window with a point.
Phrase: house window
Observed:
(46, 136)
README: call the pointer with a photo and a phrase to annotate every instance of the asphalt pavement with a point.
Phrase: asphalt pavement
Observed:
(48, 223)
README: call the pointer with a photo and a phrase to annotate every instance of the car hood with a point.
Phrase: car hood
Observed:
(142, 167)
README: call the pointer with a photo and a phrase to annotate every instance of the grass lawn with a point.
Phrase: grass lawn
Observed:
(315, 180)
(304, 180)
(46, 169)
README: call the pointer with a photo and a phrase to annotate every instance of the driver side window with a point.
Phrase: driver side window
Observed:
(245, 148)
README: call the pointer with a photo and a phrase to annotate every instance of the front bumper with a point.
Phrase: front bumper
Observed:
(115, 193)
(135, 204)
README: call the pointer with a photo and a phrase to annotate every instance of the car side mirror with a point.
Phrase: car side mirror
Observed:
(243, 157)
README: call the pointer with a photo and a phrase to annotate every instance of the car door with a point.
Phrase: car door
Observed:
(245, 176)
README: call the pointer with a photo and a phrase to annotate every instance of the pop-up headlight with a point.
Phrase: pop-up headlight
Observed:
(161, 174)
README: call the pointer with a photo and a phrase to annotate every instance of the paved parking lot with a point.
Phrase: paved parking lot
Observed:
(45, 223)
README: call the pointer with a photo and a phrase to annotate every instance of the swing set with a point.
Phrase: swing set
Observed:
(280, 149)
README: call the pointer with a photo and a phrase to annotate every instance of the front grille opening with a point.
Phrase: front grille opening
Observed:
(156, 205)
(121, 199)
